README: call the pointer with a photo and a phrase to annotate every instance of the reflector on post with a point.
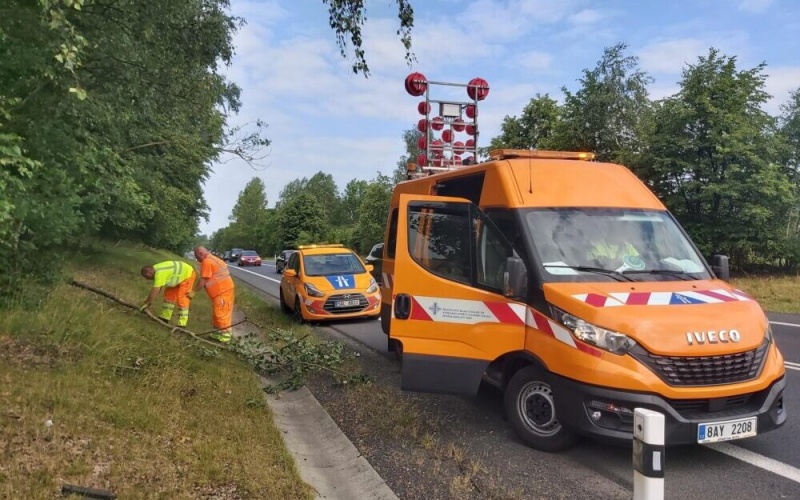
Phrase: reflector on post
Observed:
(437, 123)
(478, 89)
(422, 125)
(416, 84)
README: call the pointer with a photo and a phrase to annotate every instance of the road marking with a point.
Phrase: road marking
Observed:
(792, 366)
(257, 274)
(753, 458)
(784, 324)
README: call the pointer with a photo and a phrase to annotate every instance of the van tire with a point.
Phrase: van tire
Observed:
(284, 308)
(529, 403)
(298, 310)
(395, 346)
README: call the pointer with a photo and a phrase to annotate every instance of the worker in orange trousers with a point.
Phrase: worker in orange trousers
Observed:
(216, 279)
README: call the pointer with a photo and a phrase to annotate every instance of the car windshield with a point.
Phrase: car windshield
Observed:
(612, 244)
(335, 263)
(249, 253)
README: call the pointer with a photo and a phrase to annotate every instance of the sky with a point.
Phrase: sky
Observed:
(322, 117)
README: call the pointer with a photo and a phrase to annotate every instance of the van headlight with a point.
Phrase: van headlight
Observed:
(608, 340)
(312, 290)
(373, 286)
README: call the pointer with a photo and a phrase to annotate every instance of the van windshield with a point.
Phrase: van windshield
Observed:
(329, 264)
(589, 244)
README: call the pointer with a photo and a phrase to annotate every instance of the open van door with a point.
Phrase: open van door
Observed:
(456, 306)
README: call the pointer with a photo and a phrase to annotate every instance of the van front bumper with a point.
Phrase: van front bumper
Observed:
(608, 413)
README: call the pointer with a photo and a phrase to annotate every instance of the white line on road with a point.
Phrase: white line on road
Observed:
(753, 458)
(784, 324)
(791, 365)
(257, 274)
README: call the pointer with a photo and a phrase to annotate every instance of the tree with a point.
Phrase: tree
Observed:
(300, 216)
(411, 142)
(533, 129)
(351, 201)
(607, 113)
(373, 213)
(713, 157)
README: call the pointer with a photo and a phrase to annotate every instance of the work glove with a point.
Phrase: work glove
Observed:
(190, 295)
(143, 307)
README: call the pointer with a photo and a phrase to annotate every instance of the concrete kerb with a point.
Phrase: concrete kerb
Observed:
(326, 459)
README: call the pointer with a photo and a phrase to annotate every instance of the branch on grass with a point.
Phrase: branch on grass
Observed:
(150, 315)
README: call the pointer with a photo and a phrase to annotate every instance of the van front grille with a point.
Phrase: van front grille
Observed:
(704, 370)
(335, 303)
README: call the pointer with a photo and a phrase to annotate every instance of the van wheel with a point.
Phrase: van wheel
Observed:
(530, 406)
(396, 347)
(298, 311)
(284, 308)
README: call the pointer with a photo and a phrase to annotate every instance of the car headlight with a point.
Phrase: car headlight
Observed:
(373, 286)
(608, 340)
(312, 290)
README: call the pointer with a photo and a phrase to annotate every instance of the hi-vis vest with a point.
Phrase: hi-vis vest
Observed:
(219, 278)
(170, 273)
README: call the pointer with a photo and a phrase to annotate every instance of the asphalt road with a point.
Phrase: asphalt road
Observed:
(765, 466)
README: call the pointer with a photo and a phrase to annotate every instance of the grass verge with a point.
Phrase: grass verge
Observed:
(94, 395)
(774, 293)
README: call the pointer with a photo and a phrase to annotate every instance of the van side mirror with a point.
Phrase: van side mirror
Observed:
(290, 273)
(370, 268)
(719, 264)
(515, 278)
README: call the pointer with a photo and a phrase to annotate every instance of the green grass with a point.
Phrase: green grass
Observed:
(133, 408)
(774, 293)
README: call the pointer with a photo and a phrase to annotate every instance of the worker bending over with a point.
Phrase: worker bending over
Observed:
(216, 280)
(177, 279)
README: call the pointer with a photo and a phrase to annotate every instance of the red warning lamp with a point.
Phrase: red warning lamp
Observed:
(471, 129)
(424, 108)
(458, 147)
(471, 111)
(477, 89)
(456, 160)
(422, 142)
(422, 125)
(447, 136)
(416, 84)
(437, 123)
(422, 160)
(458, 125)
(437, 145)
(470, 144)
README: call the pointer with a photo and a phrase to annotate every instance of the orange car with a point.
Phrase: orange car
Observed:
(568, 285)
(326, 282)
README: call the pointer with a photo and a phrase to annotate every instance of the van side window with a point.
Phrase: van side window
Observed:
(391, 244)
(439, 239)
(294, 262)
(492, 250)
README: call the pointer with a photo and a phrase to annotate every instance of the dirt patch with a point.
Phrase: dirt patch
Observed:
(35, 353)
(436, 446)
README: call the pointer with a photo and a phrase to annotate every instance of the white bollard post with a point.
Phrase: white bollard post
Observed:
(648, 455)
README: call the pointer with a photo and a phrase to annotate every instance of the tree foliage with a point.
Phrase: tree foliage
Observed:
(111, 113)
(726, 168)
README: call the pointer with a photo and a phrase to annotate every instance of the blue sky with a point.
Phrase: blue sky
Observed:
(323, 117)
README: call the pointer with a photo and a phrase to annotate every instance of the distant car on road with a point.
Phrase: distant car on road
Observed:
(226, 256)
(375, 258)
(249, 258)
(282, 259)
(235, 253)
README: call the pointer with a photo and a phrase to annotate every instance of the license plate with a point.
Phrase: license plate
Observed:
(347, 303)
(726, 431)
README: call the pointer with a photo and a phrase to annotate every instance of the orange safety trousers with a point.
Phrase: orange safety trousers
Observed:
(178, 294)
(222, 314)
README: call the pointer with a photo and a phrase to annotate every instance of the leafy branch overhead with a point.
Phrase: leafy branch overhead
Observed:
(347, 18)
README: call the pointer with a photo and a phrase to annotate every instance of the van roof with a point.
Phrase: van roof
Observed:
(524, 182)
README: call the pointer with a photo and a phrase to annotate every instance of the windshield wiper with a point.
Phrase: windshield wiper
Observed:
(598, 270)
(668, 272)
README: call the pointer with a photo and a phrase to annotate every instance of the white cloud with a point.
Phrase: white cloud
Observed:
(586, 17)
(755, 6)
(671, 56)
(533, 60)
(781, 81)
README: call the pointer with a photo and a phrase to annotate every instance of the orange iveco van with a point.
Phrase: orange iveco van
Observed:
(570, 286)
